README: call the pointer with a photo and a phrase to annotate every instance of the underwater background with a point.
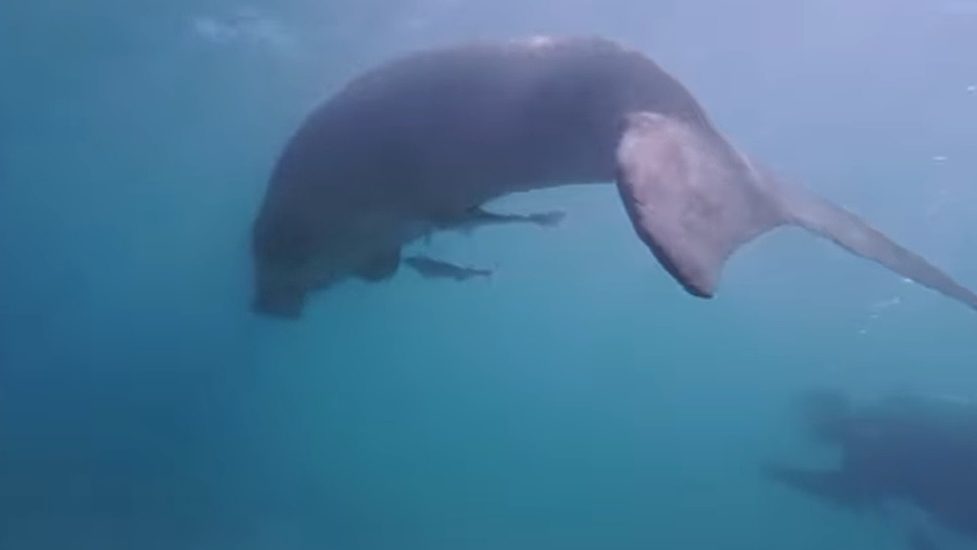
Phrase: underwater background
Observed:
(577, 400)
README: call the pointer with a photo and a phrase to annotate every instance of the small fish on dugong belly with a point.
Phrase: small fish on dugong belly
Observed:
(431, 268)
(422, 142)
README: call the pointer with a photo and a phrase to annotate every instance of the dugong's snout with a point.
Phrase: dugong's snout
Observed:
(283, 249)
(278, 291)
(278, 301)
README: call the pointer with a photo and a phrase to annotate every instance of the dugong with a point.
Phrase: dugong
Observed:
(911, 448)
(422, 142)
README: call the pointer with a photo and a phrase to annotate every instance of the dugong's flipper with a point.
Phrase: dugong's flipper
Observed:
(694, 200)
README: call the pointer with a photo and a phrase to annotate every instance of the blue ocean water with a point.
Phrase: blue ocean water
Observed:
(577, 400)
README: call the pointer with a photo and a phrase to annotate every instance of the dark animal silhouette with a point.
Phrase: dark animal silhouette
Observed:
(421, 143)
(917, 449)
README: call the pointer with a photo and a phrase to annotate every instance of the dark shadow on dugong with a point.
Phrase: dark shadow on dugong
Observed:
(915, 449)
(421, 143)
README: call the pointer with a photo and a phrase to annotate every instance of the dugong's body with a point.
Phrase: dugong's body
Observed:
(420, 143)
(915, 448)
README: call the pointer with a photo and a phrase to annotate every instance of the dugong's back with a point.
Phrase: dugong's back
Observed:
(524, 113)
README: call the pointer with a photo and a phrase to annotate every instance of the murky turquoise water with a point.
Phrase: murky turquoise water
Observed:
(578, 400)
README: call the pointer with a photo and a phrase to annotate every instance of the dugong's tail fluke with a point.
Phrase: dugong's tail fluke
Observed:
(694, 200)
(850, 232)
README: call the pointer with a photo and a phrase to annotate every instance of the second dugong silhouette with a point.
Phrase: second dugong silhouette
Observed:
(907, 448)
(421, 143)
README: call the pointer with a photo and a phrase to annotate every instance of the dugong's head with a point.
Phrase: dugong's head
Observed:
(303, 224)
(302, 244)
